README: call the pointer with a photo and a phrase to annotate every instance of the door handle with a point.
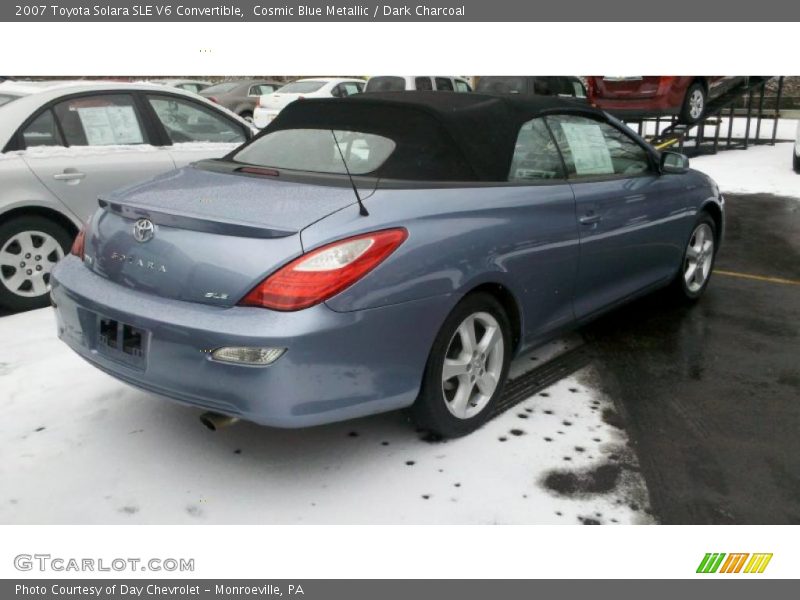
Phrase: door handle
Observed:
(590, 219)
(69, 176)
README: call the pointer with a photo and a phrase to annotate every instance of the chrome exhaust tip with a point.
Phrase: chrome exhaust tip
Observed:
(215, 421)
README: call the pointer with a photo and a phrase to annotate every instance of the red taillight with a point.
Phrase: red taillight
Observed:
(322, 273)
(213, 99)
(78, 245)
(591, 89)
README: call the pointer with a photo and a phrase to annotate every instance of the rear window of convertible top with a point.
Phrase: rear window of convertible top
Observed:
(386, 142)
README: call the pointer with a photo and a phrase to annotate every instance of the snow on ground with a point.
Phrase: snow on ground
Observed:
(759, 169)
(78, 446)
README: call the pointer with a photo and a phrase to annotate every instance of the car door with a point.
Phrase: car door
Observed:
(101, 143)
(195, 131)
(630, 218)
(545, 261)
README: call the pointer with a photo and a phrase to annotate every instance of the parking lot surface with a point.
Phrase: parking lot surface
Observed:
(711, 394)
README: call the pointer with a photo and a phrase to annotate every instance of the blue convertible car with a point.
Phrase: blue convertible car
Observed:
(379, 252)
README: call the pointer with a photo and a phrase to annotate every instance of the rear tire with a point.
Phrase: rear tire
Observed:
(456, 402)
(30, 246)
(697, 263)
(247, 115)
(694, 104)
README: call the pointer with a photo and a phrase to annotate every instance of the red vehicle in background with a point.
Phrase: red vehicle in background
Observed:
(638, 97)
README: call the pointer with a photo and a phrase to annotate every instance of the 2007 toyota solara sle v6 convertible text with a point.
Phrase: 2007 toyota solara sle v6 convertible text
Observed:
(378, 252)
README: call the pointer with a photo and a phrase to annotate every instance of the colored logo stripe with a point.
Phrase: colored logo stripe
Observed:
(733, 564)
(758, 563)
(710, 562)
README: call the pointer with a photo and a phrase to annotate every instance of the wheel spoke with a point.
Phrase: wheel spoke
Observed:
(692, 252)
(459, 403)
(9, 260)
(487, 384)
(489, 340)
(690, 272)
(16, 280)
(25, 240)
(48, 247)
(38, 285)
(467, 333)
(454, 367)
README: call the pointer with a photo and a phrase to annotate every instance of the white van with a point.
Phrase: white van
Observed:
(406, 83)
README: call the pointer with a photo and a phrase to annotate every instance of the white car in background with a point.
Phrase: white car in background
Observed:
(62, 146)
(269, 105)
(408, 83)
(796, 161)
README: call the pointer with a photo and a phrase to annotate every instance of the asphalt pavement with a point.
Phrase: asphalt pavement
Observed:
(710, 394)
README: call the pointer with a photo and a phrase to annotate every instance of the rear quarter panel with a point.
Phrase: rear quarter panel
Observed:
(521, 237)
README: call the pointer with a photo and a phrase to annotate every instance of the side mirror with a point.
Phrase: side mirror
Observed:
(674, 162)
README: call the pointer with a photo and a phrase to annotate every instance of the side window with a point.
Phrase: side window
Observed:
(423, 83)
(186, 121)
(261, 89)
(536, 156)
(349, 88)
(591, 148)
(42, 131)
(443, 84)
(103, 120)
(462, 86)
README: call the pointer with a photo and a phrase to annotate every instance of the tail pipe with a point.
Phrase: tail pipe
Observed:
(215, 421)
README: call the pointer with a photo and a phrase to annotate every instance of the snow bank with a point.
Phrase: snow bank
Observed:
(759, 169)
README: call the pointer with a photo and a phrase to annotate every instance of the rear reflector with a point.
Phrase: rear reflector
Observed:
(324, 272)
(245, 355)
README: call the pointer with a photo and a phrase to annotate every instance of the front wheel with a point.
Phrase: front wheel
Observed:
(466, 369)
(698, 260)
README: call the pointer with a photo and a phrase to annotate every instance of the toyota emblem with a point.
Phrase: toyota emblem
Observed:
(144, 230)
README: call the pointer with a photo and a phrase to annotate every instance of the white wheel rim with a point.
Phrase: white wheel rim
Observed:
(473, 365)
(696, 104)
(699, 258)
(26, 261)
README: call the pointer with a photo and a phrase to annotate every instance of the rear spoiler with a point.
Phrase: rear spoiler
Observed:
(191, 222)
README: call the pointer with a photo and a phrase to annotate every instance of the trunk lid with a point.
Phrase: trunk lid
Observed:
(214, 235)
(278, 101)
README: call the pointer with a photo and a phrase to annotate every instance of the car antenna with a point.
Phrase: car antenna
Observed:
(362, 210)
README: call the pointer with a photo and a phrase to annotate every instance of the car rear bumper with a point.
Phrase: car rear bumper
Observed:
(338, 365)
(639, 108)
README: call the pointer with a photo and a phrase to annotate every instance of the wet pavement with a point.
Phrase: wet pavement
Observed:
(710, 394)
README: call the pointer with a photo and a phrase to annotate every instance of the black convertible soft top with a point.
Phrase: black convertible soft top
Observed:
(443, 136)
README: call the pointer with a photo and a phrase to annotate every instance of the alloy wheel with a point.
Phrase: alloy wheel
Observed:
(699, 258)
(696, 104)
(26, 261)
(473, 365)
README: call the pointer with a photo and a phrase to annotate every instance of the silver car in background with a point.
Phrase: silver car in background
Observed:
(62, 146)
